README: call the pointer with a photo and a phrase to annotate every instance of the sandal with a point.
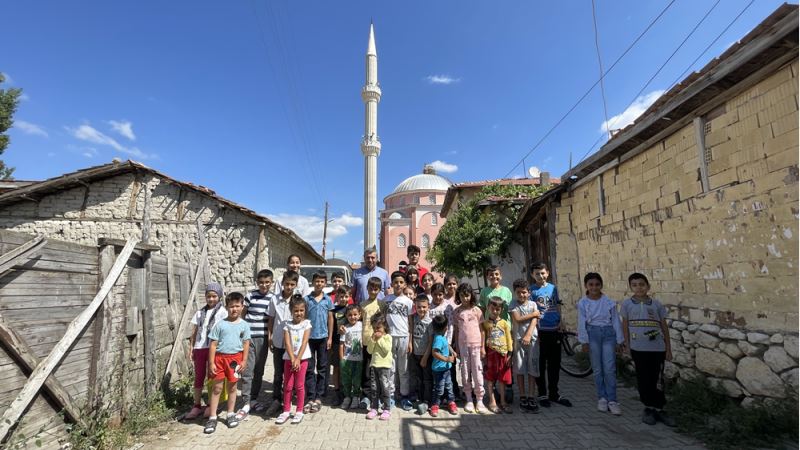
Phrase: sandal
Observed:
(495, 409)
(307, 408)
(507, 409)
(210, 427)
(232, 422)
(316, 406)
(240, 415)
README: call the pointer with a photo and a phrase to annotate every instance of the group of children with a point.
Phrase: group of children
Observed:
(404, 348)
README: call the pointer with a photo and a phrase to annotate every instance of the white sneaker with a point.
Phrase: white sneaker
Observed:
(481, 408)
(469, 407)
(614, 408)
(282, 418)
(298, 417)
(602, 405)
(345, 403)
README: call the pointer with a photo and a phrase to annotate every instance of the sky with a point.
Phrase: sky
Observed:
(260, 101)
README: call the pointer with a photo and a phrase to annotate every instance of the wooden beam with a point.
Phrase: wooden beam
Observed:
(201, 236)
(103, 241)
(46, 366)
(21, 253)
(102, 360)
(19, 350)
(148, 317)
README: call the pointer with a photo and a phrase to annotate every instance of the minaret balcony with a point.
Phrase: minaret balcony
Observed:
(371, 146)
(371, 92)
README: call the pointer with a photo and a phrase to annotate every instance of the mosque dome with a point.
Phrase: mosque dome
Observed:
(395, 215)
(428, 180)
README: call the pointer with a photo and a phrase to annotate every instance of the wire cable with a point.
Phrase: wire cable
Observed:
(600, 64)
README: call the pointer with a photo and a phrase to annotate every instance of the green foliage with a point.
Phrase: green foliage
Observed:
(9, 99)
(717, 420)
(473, 235)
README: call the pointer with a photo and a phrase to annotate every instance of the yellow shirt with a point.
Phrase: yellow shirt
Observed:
(369, 309)
(381, 351)
(498, 335)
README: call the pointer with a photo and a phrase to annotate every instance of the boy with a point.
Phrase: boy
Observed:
(413, 253)
(337, 281)
(319, 311)
(422, 337)
(443, 358)
(440, 307)
(644, 326)
(369, 308)
(499, 345)
(526, 351)
(256, 305)
(398, 310)
(546, 297)
(230, 342)
(279, 313)
(351, 357)
(341, 303)
(495, 289)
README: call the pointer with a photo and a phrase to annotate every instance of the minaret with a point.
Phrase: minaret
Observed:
(370, 144)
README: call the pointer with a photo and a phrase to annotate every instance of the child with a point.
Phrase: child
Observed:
(279, 313)
(337, 281)
(546, 297)
(341, 303)
(644, 324)
(256, 305)
(420, 324)
(599, 331)
(410, 292)
(427, 284)
(443, 358)
(450, 286)
(526, 352)
(319, 310)
(412, 279)
(467, 331)
(370, 307)
(412, 253)
(230, 342)
(495, 289)
(295, 360)
(302, 287)
(202, 323)
(398, 310)
(499, 345)
(379, 345)
(440, 307)
(350, 357)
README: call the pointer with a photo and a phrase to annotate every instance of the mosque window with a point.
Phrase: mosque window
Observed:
(434, 219)
(426, 241)
(401, 240)
(432, 199)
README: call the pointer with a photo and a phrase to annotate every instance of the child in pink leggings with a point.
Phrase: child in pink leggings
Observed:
(295, 360)
(468, 333)
(202, 323)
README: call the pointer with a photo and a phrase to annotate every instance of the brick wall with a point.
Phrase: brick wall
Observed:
(725, 259)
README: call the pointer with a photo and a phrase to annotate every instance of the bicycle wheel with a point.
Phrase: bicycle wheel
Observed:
(574, 362)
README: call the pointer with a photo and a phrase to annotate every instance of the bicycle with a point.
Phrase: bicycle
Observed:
(574, 361)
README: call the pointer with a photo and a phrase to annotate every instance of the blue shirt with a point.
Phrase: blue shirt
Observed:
(317, 313)
(546, 298)
(360, 278)
(440, 345)
(230, 336)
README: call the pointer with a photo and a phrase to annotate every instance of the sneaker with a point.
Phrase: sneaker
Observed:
(615, 408)
(452, 408)
(523, 404)
(365, 403)
(211, 426)
(649, 416)
(469, 407)
(373, 413)
(481, 408)
(422, 408)
(602, 405)
(194, 413)
(282, 418)
(345, 403)
(665, 418)
(354, 404)
(434, 410)
(544, 401)
(298, 417)
(533, 406)
(385, 415)
(406, 404)
(231, 421)
(563, 401)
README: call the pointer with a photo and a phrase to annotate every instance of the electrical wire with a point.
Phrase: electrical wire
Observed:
(600, 64)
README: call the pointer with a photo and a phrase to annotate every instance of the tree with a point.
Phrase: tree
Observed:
(473, 235)
(9, 99)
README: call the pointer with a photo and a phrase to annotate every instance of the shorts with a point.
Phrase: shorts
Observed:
(200, 361)
(222, 365)
(497, 369)
(526, 358)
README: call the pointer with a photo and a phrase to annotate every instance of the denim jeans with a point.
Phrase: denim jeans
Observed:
(317, 374)
(442, 387)
(602, 351)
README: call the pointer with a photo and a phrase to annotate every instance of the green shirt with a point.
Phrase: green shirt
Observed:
(502, 292)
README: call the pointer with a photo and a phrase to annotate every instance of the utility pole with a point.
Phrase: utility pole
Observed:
(324, 230)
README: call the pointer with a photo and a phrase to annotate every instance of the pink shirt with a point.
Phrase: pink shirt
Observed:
(468, 322)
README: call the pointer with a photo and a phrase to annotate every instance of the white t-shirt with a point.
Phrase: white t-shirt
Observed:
(302, 288)
(296, 332)
(280, 313)
(397, 311)
(202, 319)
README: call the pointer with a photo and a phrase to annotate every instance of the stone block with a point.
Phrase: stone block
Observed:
(750, 349)
(790, 378)
(675, 334)
(688, 337)
(693, 326)
(710, 328)
(758, 338)
(731, 388)
(690, 374)
(777, 359)
(681, 356)
(731, 349)
(705, 339)
(714, 363)
(671, 371)
(759, 379)
(790, 345)
(732, 333)
(776, 338)
(678, 325)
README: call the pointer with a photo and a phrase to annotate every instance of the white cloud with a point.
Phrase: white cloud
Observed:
(444, 167)
(8, 78)
(90, 134)
(442, 79)
(124, 128)
(310, 228)
(23, 97)
(30, 128)
(452, 152)
(636, 109)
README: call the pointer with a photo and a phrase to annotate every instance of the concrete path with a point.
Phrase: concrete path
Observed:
(581, 426)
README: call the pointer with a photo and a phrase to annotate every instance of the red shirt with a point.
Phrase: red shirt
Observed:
(421, 270)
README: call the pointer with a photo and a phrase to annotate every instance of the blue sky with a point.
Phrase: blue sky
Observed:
(260, 101)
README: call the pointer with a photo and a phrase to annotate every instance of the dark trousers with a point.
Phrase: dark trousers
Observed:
(649, 368)
(549, 363)
(365, 384)
(442, 387)
(277, 376)
(317, 374)
(453, 377)
(422, 378)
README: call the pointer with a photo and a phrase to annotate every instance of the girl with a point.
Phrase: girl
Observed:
(599, 330)
(202, 322)
(295, 360)
(381, 378)
(469, 335)
(412, 279)
(450, 285)
(303, 288)
(427, 284)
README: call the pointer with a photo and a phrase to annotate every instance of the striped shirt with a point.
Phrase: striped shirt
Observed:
(257, 305)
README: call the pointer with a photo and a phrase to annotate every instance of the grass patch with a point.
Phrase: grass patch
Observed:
(721, 423)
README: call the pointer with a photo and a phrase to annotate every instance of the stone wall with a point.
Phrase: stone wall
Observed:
(725, 261)
(114, 208)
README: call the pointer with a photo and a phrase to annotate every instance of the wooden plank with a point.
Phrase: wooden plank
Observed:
(25, 277)
(201, 236)
(700, 137)
(15, 238)
(53, 266)
(21, 254)
(148, 325)
(101, 363)
(18, 349)
(46, 366)
(103, 241)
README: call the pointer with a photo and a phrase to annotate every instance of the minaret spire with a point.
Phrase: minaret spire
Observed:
(370, 143)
